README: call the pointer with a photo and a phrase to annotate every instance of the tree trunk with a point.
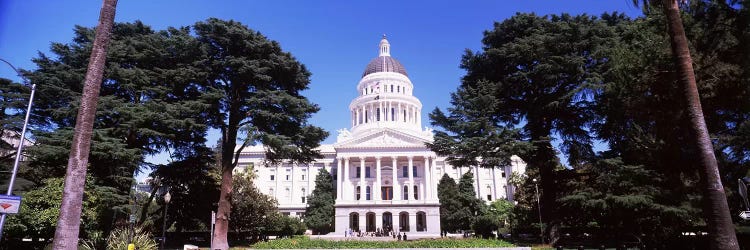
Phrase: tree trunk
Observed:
(543, 158)
(720, 227)
(66, 233)
(225, 207)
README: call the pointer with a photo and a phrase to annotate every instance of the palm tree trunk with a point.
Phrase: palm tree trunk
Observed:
(720, 227)
(68, 224)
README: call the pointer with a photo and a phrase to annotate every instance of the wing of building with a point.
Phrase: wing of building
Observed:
(385, 177)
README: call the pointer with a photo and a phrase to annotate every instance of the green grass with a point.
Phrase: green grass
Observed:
(305, 242)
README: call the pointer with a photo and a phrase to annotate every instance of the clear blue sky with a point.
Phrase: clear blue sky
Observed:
(334, 39)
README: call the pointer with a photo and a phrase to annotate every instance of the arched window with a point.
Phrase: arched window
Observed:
(421, 221)
(406, 192)
(367, 193)
(304, 195)
(489, 193)
(271, 192)
(416, 192)
(287, 192)
(354, 221)
(403, 221)
(358, 192)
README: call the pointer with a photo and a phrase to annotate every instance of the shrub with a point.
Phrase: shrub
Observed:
(118, 239)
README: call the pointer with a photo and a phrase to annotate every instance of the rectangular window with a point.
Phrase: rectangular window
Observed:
(287, 177)
(391, 87)
(398, 89)
(303, 177)
(303, 199)
(393, 114)
(405, 171)
(414, 169)
(489, 197)
(378, 114)
(367, 172)
(273, 177)
(502, 173)
(358, 172)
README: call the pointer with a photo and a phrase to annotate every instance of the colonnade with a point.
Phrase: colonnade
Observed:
(403, 188)
(386, 111)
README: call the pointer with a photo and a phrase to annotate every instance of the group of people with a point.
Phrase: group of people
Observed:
(377, 233)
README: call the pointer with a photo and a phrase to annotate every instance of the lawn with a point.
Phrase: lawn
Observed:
(305, 242)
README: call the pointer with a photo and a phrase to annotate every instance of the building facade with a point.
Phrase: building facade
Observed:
(384, 176)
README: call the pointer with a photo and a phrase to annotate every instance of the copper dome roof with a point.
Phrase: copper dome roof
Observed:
(384, 64)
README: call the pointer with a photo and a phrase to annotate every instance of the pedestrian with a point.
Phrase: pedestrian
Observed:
(404, 236)
(399, 237)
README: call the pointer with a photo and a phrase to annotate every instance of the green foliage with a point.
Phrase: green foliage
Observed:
(307, 243)
(501, 211)
(119, 239)
(40, 209)
(459, 206)
(485, 225)
(319, 213)
(286, 226)
(253, 211)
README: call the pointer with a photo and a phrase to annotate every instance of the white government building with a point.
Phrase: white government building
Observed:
(390, 176)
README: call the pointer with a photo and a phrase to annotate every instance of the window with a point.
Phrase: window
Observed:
(367, 193)
(358, 172)
(398, 89)
(287, 192)
(489, 193)
(404, 115)
(405, 171)
(406, 192)
(303, 177)
(414, 168)
(502, 173)
(366, 117)
(358, 192)
(304, 195)
(416, 192)
(287, 177)
(391, 87)
(378, 114)
(367, 172)
(270, 192)
(393, 114)
(273, 177)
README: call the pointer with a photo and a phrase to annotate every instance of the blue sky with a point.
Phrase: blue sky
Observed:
(334, 39)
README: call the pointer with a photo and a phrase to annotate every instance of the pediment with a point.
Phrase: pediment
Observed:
(383, 138)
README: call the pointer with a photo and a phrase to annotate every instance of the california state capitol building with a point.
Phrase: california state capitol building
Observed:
(384, 175)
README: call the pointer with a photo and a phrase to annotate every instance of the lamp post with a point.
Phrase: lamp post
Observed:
(22, 138)
(167, 198)
(539, 207)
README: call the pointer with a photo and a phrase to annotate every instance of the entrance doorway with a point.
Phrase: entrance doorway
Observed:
(387, 221)
(370, 224)
(403, 222)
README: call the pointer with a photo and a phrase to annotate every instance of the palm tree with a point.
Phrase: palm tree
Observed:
(720, 227)
(68, 224)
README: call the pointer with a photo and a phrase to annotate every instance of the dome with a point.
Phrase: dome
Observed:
(384, 64)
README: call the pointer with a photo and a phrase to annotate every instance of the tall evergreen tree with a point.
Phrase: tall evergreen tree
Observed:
(253, 89)
(538, 72)
(450, 205)
(319, 213)
(471, 206)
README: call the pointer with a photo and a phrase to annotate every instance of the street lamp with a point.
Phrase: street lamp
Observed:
(167, 198)
(22, 138)
(539, 206)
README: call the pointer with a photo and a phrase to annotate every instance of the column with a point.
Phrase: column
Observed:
(362, 188)
(277, 192)
(339, 179)
(309, 180)
(479, 185)
(427, 178)
(433, 185)
(362, 222)
(419, 116)
(494, 184)
(411, 178)
(376, 187)
(394, 179)
(379, 220)
(292, 196)
(346, 182)
(413, 221)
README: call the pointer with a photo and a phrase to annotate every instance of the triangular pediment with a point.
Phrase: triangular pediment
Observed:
(384, 138)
